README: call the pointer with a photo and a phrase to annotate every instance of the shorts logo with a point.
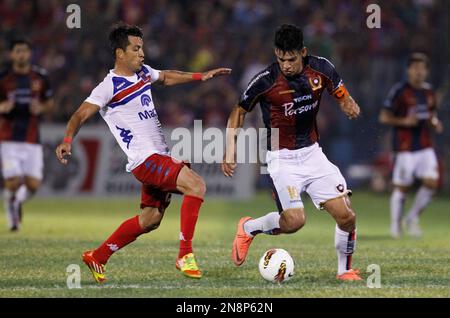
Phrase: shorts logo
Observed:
(293, 193)
(340, 188)
(316, 83)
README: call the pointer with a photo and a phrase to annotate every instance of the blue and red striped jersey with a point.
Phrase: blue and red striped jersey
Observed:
(19, 124)
(291, 104)
(404, 100)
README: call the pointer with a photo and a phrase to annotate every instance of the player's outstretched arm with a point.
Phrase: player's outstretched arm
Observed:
(235, 122)
(83, 113)
(386, 117)
(169, 78)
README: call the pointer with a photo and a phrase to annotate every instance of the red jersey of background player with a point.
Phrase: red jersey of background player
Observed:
(19, 125)
(291, 103)
(403, 101)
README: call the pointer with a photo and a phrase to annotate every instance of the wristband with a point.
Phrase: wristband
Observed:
(197, 76)
(67, 140)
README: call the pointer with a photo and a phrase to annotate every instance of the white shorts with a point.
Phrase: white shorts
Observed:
(415, 164)
(304, 170)
(21, 159)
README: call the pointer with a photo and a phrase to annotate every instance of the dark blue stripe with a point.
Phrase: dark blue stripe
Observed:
(130, 97)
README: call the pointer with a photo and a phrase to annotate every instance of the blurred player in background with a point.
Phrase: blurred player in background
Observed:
(125, 102)
(289, 93)
(410, 109)
(25, 94)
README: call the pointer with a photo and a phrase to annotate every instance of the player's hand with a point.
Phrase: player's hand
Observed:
(410, 121)
(228, 168)
(229, 164)
(6, 106)
(62, 151)
(437, 125)
(350, 108)
(216, 72)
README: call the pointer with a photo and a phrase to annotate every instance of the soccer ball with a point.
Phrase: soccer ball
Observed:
(276, 266)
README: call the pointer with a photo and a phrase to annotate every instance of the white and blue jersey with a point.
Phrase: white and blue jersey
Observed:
(126, 104)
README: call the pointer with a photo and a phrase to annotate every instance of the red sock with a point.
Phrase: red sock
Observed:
(189, 214)
(126, 233)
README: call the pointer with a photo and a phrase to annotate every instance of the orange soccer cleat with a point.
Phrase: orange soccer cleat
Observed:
(350, 275)
(97, 269)
(241, 243)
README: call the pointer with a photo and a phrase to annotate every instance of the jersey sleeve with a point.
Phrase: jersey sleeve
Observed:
(335, 85)
(255, 89)
(47, 91)
(101, 95)
(154, 73)
(392, 97)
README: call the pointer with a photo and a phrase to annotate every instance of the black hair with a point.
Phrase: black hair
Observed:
(18, 41)
(118, 37)
(416, 57)
(289, 38)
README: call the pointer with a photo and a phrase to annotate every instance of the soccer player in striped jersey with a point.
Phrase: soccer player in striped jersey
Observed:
(410, 109)
(25, 94)
(289, 93)
(125, 102)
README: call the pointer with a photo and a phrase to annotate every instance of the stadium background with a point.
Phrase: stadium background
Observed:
(198, 35)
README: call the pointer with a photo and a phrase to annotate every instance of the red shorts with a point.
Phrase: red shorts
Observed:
(158, 175)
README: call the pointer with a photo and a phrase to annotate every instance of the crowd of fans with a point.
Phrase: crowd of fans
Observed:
(198, 35)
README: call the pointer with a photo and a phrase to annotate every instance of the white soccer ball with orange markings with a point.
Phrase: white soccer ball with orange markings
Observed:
(276, 266)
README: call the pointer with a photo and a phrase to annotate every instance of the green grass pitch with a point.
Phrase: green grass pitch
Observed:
(33, 262)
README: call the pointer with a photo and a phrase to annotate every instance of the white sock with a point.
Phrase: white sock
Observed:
(397, 203)
(268, 224)
(423, 198)
(345, 244)
(23, 194)
(12, 214)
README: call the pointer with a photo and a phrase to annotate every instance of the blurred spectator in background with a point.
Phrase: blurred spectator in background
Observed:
(201, 34)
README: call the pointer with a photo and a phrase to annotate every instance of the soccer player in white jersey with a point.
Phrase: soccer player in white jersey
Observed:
(125, 102)
(289, 93)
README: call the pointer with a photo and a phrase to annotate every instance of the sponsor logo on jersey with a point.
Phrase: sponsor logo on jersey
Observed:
(147, 114)
(302, 98)
(145, 100)
(289, 111)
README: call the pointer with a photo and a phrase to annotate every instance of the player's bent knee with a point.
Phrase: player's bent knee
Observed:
(431, 184)
(150, 219)
(13, 184)
(151, 227)
(292, 221)
(197, 187)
